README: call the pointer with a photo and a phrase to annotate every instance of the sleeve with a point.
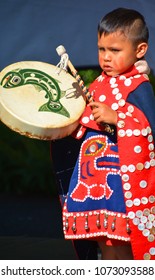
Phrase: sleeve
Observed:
(144, 99)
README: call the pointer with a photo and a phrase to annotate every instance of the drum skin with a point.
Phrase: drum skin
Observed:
(39, 100)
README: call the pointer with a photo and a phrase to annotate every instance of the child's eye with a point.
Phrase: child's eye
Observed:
(101, 49)
(114, 50)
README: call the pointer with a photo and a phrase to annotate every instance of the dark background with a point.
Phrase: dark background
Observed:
(31, 30)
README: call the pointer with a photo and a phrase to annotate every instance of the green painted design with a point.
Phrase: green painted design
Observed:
(41, 81)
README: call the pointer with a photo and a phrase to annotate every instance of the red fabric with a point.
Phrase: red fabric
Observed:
(136, 152)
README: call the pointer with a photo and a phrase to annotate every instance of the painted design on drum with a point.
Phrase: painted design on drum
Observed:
(41, 81)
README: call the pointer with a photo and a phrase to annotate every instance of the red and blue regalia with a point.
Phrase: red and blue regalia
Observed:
(112, 189)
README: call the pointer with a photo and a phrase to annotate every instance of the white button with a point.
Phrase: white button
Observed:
(143, 219)
(121, 124)
(128, 114)
(93, 148)
(102, 98)
(125, 177)
(139, 213)
(143, 184)
(149, 129)
(124, 168)
(152, 155)
(114, 85)
(136, 132)
(129, 132)
(114, 106)
(150, 138)
(121, 132)
(141, 226)
(151, 217)
(128, 194)
(131, 168)
(136, 202)
(136, 221)
(149, 225)
(151, 199)
(152, 251)
(147, 164)
(122, 77)
(122, 115)
(121, 102)
(151, 238)
(85, 120)
(137, 149)
(146, 211)
(144, 132)
(112, 80)
(131, 215)
(130, 108)
(144, 200)
(151, 147)
(129, 203)
(118, 96)
(146, 232)
(152, 162)
(127, 82)
(115, 91)
(126, 186)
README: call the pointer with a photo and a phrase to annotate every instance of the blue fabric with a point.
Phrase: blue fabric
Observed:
(114, 182)
(138, 98)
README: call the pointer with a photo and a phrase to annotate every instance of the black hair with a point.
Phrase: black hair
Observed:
(130, 22)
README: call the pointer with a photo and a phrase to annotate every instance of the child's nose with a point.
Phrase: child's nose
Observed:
(107, 56)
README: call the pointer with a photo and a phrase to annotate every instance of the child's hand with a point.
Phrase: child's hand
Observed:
(103, 113)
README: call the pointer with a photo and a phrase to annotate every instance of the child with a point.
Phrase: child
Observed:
(111, 197)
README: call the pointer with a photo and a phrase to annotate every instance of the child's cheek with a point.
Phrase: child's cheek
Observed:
(100, 59)
(119, 63)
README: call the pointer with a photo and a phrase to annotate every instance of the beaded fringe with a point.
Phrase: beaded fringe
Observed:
(105, 224)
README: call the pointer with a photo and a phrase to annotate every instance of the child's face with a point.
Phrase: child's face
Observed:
(116, 53)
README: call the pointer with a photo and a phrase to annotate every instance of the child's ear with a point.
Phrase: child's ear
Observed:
(141, 49)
